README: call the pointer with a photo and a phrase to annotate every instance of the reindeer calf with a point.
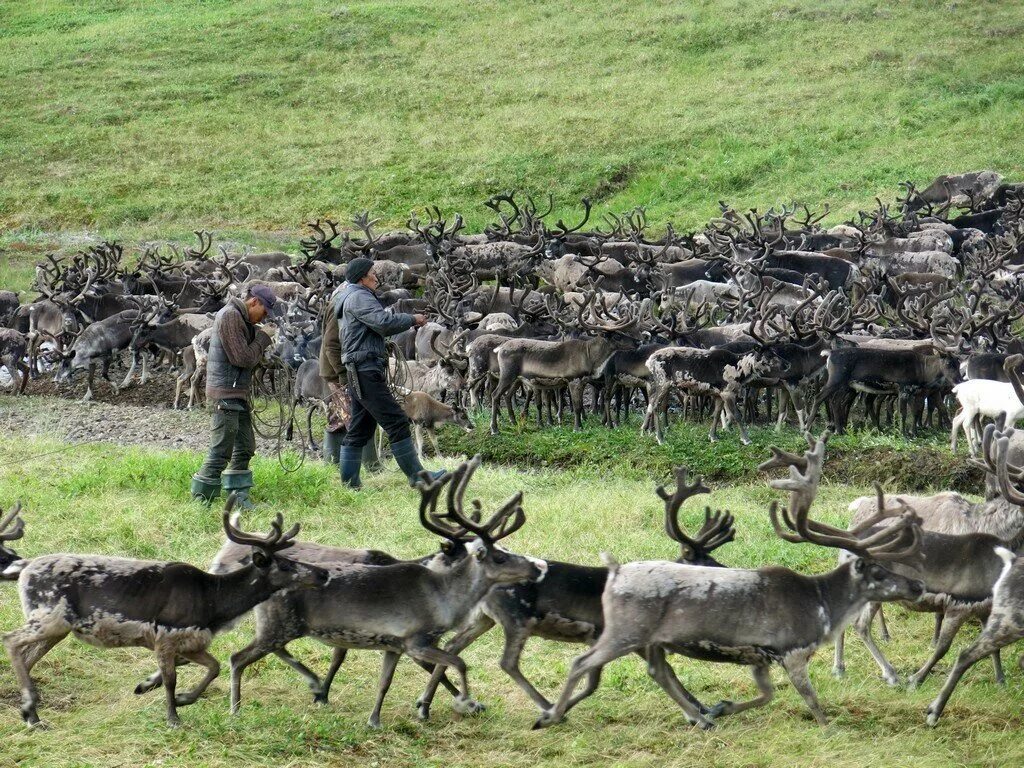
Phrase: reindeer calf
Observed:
(428, 413)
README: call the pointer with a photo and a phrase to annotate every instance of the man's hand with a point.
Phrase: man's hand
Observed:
(263, 338)
(419, 320)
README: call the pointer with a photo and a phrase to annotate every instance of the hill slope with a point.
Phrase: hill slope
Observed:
(156, 117)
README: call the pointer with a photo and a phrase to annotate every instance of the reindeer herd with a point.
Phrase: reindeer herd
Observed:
(759, 317)
(929, 554)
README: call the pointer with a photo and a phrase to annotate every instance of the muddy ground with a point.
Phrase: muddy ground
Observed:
(139, 415)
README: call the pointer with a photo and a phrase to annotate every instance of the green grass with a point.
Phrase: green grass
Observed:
(107, 499)
(152, 118)
(860, 456)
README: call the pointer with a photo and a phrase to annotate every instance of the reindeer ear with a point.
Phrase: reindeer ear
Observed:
(260, 559)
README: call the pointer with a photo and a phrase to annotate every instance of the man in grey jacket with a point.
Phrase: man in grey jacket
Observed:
(363, 324)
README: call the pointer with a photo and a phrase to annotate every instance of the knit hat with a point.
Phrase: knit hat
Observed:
(265, 296)
(358, 269)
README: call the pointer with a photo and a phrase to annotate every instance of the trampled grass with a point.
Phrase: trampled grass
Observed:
(101, 498)
(153, 118)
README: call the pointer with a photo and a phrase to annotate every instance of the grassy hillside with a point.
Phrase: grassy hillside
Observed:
(150, 118)
(128, 501)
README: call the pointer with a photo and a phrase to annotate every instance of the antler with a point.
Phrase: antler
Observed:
(507, 520)
(274, 541)
(893, 542)
(673, 501)
(9, 532)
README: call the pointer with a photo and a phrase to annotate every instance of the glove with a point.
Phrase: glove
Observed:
(262, 339)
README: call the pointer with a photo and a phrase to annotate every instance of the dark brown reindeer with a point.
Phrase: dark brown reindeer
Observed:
(13, 353)
(756, 617)
(174, 609)
(401, 608)
(566, 605)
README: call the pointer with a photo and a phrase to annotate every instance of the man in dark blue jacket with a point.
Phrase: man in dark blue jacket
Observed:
(363, 324)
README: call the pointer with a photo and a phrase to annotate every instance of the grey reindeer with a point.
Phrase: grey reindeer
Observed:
(751, 617)
(566, 605)
(174, 609)
(403, 608)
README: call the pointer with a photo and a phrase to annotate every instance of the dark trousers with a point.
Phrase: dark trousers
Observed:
(377, 406)
(232, 440)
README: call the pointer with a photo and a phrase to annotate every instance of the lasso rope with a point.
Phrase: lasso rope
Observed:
(276, 390)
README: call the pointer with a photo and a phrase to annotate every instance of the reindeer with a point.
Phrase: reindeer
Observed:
(572, 362)
(715, 372)
(427, 414)
(403, 608)
(755, 617)
(13, 350)
(174, 609)
(1003, 627)
(958, 571)
(566, 605)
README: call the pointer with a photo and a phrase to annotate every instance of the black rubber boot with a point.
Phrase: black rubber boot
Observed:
(371, 460)
(239, 481)
(405, 454)
(351, 460)
(204, 489)
(332, 446)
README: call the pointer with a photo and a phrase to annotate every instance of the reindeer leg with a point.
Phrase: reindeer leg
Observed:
(212, 671)
(166, 654)
(951, 623)
(387, 674)
(433, 441)
(322, 695)
(659, 669)
(863, 627)
(766, 692)
(838, 659)
(883, 628)
(256, 650)
(605, 650)
(795, 665)
(464, 703)
(131, 369)
(462, 639)
(991, 639)
(25, 647)
(997, 669)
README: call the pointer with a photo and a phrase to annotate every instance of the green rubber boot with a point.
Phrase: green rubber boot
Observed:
(204, 489)
(239, 481)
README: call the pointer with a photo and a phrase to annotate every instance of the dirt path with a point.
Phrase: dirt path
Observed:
(140, 416)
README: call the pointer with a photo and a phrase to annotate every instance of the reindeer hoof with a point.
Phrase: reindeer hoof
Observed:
(931, 716)
(320, 699)
(547, 718)
(373, 722)
(718, 709)
(467, 706)
(838, 671)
